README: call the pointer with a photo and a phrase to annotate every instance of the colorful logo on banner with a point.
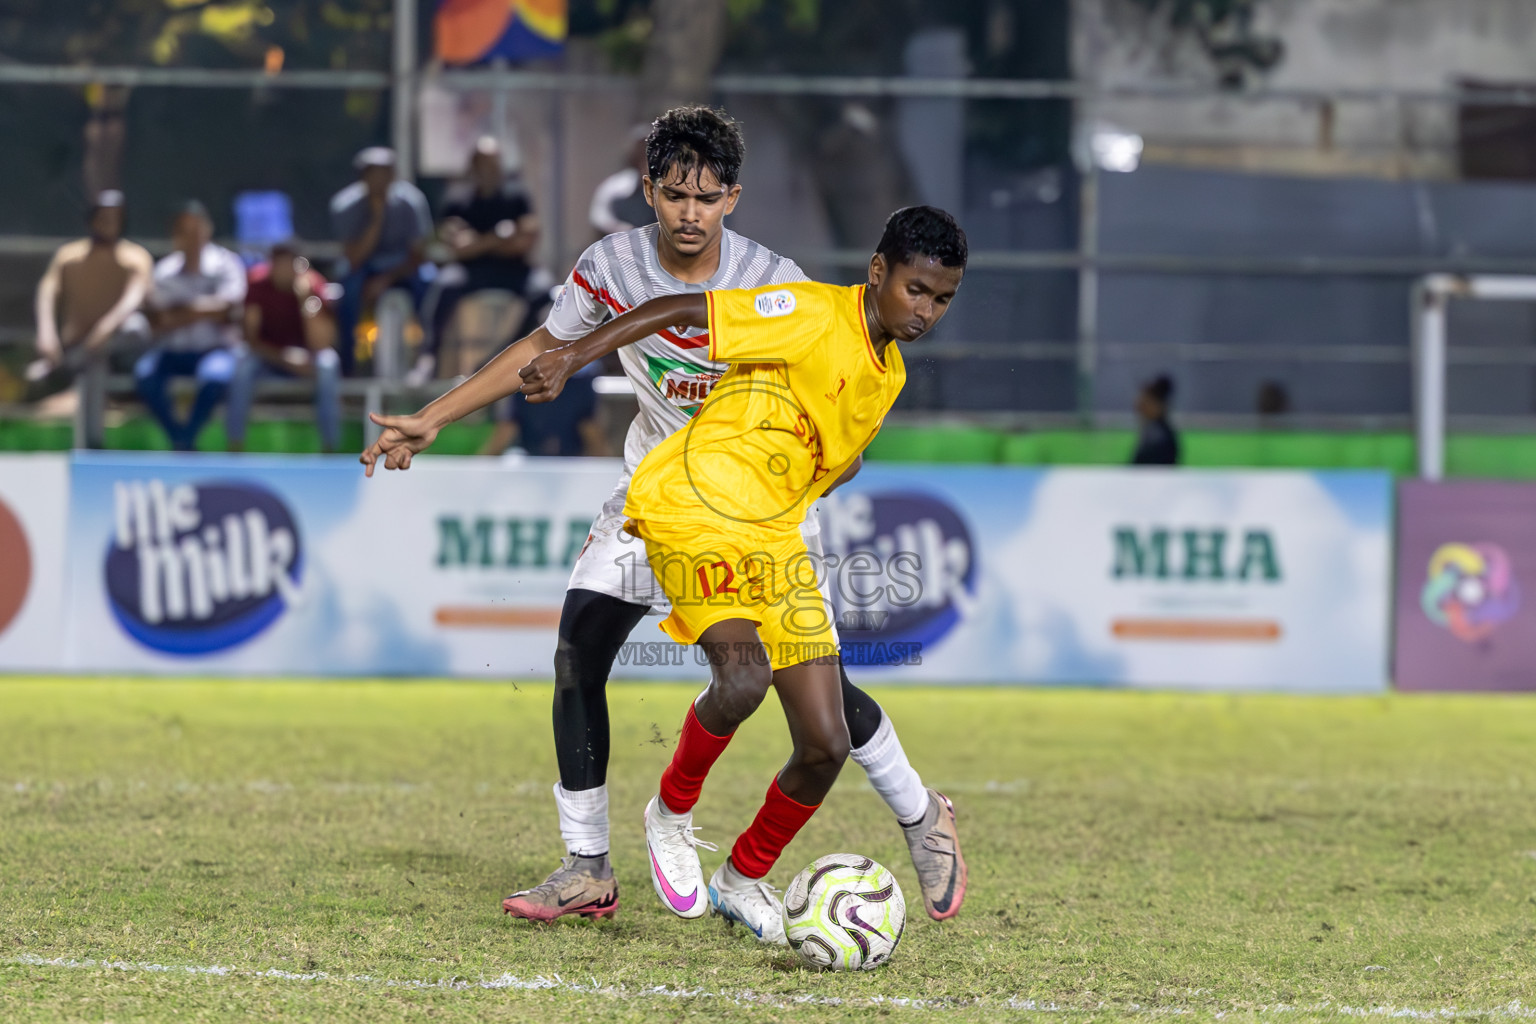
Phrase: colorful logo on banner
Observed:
(15, 566)
(200, 567)
(1471, 590)
(477, 31)
(901, 566)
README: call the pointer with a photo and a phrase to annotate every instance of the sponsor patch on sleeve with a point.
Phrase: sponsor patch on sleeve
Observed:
(780, 303)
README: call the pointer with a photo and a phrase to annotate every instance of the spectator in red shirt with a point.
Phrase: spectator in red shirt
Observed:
(289, 332)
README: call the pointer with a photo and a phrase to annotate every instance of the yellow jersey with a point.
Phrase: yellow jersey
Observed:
(804, 394)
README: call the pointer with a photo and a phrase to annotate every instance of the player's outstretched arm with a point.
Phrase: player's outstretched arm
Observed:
(545, 377)
(405, 436)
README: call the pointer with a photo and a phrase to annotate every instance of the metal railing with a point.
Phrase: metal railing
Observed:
(745, 85)
(1087, 260)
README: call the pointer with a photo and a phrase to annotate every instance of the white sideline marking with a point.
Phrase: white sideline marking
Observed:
(1511, 1011)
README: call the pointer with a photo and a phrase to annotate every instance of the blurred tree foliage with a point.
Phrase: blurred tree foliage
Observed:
(163, 145)
(1005, 39)
(202, 33)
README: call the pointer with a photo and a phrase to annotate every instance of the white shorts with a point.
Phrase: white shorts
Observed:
(613, 562)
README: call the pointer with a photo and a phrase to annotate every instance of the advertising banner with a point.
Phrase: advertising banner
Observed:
(1120, 577)
(302, 566)
(34, 497)
(1463, 622)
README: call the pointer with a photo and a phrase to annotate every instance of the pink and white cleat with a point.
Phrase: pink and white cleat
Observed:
(676, 874)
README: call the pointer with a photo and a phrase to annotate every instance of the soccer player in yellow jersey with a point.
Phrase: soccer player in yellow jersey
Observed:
(719, 504)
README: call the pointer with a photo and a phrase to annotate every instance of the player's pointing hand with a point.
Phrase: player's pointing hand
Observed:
(402, 438)
(544, 378)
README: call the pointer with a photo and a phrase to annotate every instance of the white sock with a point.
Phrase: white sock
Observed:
(583, 820)
(892, 774)
(669, 816)
(731, 879)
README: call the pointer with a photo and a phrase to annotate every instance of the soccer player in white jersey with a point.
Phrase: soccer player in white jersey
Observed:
(693, 155)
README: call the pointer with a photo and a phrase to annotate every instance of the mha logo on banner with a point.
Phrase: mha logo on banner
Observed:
(198, 568)
(1471, 590)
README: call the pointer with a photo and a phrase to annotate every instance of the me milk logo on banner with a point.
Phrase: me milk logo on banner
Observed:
(900, 565)
(198, 567)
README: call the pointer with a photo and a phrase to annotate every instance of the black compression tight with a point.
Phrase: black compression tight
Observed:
(861, 711)
(593, 627)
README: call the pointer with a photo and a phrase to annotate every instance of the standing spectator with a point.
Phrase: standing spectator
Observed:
(97, 284)
(567, 426)
(490, 227)
(1272, 403)
(384, 225)
(1158, 443)
(618, 202)
(289, 332)
(196, 291)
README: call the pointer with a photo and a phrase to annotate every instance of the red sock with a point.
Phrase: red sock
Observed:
(697, 749)
(778, 820)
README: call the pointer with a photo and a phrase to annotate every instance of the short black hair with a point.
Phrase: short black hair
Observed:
(193, 208)
(1160, 387)
(925, 231)
(693, 139)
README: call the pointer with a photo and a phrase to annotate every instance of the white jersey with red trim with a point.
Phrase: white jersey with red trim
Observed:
(669, 370)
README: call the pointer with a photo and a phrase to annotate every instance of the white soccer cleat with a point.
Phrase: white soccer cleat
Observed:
(749, 902)
(676, 874)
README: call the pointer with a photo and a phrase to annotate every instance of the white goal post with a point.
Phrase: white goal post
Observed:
(1431, 296)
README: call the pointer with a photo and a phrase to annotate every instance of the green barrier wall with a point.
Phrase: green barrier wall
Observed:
(1495, 457)
(1502, 457)
(272, 436)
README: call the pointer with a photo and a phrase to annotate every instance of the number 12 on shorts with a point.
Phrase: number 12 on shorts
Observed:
(705, 584)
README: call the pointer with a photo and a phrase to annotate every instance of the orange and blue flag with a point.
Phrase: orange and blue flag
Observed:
(472, 32)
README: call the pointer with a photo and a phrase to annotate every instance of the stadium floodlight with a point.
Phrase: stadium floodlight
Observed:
(1431, 296)
(1115, 149)
(1101, 146)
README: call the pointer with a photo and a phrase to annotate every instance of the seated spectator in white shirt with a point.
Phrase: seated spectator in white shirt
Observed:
(196, 292)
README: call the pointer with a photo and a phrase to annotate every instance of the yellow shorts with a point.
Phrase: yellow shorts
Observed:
(770, 578)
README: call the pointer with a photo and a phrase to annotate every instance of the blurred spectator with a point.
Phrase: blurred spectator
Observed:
(196, 291)
(1273, 401)
(289, 332)
(567, 426)
(490, 227)
(1157, 444)
(97, 284)
(618, 203)
(861, 173)
(384, 225)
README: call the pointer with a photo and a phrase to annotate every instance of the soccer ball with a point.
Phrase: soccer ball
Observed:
(844, 913)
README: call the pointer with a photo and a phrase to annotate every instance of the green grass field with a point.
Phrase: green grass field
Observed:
(338, 851)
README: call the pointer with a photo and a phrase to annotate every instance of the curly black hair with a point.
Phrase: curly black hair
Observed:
(691, 139)
(923, 231)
